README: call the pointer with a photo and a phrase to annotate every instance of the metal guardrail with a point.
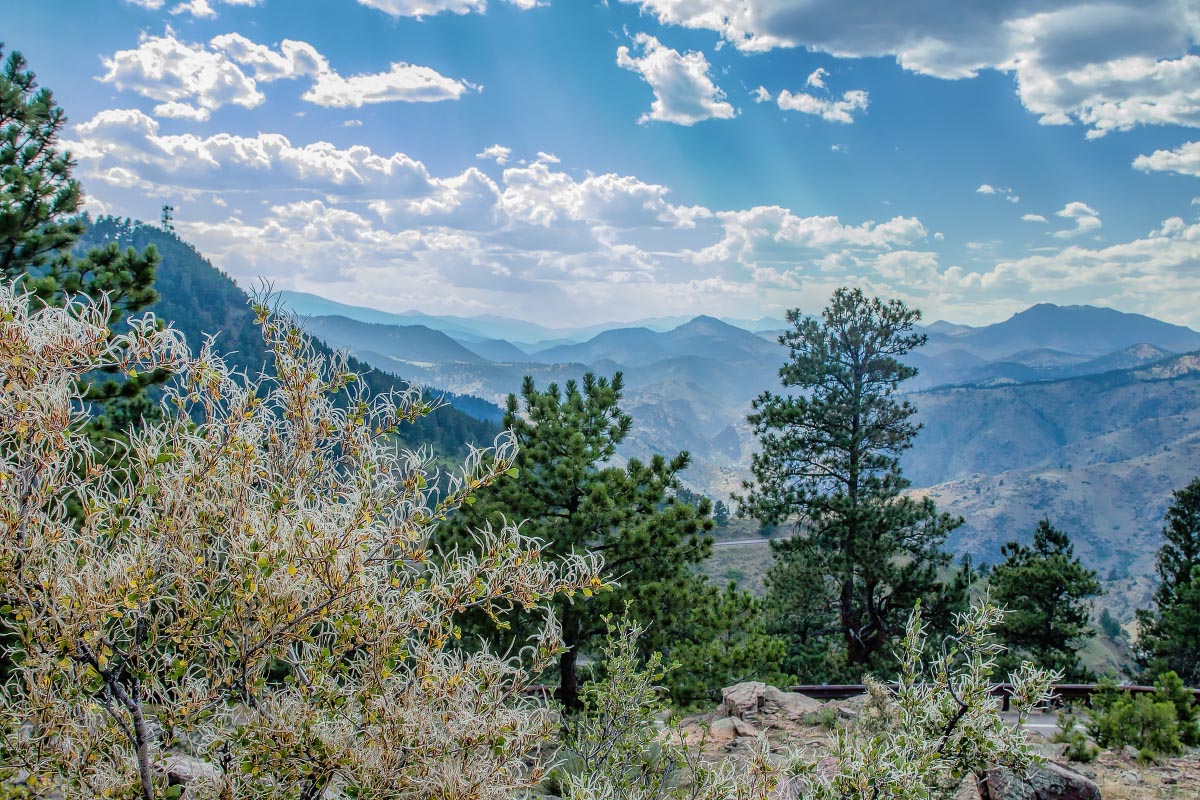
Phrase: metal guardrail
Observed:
(1063, 692)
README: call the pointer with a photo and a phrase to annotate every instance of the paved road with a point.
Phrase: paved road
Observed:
(739, 542)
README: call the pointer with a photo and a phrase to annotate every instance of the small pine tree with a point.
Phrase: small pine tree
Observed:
(574, 499)
(1048, 592)
(1167, 638)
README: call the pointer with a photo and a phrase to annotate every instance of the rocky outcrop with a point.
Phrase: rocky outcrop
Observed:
(1050, 782)
(752, 700)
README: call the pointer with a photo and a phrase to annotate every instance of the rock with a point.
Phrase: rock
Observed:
(1130, 778)
(726, 729)
(1051, 782)
(182, 770)
(751, 700)
(1130, 753)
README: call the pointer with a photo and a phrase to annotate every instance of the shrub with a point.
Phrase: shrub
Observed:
(254, 587)
(1146, 722)
(939, 727)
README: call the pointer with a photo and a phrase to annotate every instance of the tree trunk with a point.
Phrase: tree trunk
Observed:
(568, 661)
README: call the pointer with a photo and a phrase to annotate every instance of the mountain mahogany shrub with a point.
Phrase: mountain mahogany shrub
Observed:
(939, 727)
(944, 724)
(255, 589)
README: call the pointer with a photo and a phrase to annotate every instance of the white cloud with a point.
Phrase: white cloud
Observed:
(429, 8)
(1033, 218)
(761, 95)
(352, 123)
(124, 147)
(193, 80)
(1108, 65)
(1184, 160)
(817, 78)
(1006, 192)
(152, 5)
(403, 82)
(774, 233)
(829, 110)
(496, 152)
(189, 80)
(1085, 217)
(684, 92)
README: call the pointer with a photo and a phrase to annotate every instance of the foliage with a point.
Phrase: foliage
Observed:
(574, 499)
(1047, 591)
(1110, 627)
(1171, 689)
(613, 742)
(721, 641)
(941, 726)
(863, 553)
(257, 590)
(1146, 722)
(1079, 747)
(39, 226)
(1167, 637)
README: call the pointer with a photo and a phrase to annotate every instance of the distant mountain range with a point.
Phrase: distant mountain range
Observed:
(1078, 413)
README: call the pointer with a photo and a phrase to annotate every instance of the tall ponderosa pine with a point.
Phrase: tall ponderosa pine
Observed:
(1048, 592)
(863, 554)
(1169, 634)
(39, 225)
(571, 497)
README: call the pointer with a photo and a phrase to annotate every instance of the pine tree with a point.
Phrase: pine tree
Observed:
(39, 225)
(721, 513)
(1048, 594)
(1168, 638)
(574, 499)
(863, 553)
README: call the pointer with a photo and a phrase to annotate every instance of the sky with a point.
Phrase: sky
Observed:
(572, 162)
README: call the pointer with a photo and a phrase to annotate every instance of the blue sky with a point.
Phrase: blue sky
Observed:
(573, 161)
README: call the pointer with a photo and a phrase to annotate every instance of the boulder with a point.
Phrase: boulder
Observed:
(754, 699)
(180, 770)
(1051, 782)
(726, 729)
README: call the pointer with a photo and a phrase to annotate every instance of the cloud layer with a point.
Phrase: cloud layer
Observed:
(1106, 64)
(191, 81)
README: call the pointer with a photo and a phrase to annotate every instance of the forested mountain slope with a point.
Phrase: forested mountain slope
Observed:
(199, 299)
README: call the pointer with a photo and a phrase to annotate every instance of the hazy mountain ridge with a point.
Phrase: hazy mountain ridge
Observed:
(1016, 427)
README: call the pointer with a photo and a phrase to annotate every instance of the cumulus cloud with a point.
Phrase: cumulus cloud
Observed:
(429, 8)
(538, 234)
(125, 148)
(197, 8)
(827, 109)
(761, 95)
(1085, 217)
(684, 91)
(1108, 65)
(817, 78)
(1184, 160)
(190, 81)
(193, 80)
(403, 82)
(1033, 218)
(496, 152)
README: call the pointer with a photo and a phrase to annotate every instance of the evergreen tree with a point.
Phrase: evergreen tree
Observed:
(1048, 593)
(39, 225)
(863, 553)
(721, 513)
(1169, 634)
(573, 498)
